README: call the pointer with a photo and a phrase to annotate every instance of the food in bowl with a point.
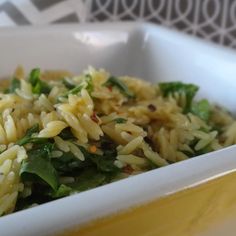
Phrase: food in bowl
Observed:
(61, 134)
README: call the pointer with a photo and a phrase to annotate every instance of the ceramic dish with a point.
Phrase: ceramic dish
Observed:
(141, 50)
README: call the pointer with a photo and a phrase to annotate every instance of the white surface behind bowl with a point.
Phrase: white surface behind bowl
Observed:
(142, 50)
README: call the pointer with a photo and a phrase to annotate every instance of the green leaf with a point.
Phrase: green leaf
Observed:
(86, 84)
(38, 196)
(189, 90)
(115, 82)
(41, 150)
(103, 162)
(62, 191)
(41, 172)
(38, 86)
(75, 90)
(68, 84)
(15, 83)
(120, 120)
(89, 87)
(88, 179)
(34, 129)
(202, 109)
(28, 137)
(45, 88)
(35, 140)
(34, 76)
(42, 168)
(219, 128)
(66, 134)
(108, 147)
(204, 150)
(70, 165)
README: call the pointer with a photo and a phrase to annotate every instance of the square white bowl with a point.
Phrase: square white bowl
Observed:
(142, 50)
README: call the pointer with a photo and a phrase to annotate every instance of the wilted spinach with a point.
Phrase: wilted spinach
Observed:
(120, 120)
(15, 84)
(39, 167)
(202, 109)
(28, 137)
(189, 90)
(38, 86)
(86, 84)
(115, 82)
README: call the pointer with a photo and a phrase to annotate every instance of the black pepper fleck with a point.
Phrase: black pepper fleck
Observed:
(151, 107)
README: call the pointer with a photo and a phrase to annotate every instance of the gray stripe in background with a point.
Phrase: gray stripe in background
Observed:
(44, 4)
(14, 13)
(67, 19)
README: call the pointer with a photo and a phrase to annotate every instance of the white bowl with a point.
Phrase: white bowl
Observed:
(143, 50)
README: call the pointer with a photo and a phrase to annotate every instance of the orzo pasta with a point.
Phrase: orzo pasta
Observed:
(61, 134)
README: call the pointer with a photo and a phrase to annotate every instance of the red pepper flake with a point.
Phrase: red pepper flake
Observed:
(94, 117)
(128, 169)
(110, 88)
(151, 107)
(93, 148)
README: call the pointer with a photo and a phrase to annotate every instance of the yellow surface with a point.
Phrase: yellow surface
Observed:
(207, 209)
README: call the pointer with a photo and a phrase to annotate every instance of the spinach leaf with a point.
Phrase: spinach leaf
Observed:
(39, 195)
(202, 109)
(86, 84)
(89, 87)
(75, 90)
(42, 172)
(103, 162)
(38, 86)
(34, 76)
(218, 128)
(15, 83)
(28, 137)
(88, 179)
(70, 165)
(35, 140)
(68, 84)
(120, 120)
(115, 82)
(108, 147)
(32, 130)
(66, 134)
(189, 90)
(24, 203)
(41, 150)
(204, 150)
(62, 191)
(39, 167)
